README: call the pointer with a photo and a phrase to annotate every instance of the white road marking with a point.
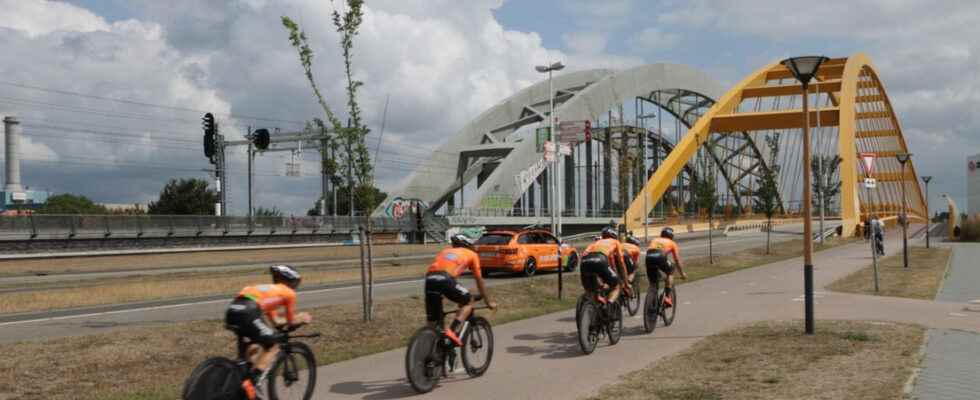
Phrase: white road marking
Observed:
(956, 314)
(64, 317)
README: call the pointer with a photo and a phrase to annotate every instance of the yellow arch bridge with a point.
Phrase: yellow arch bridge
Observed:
(851, 115)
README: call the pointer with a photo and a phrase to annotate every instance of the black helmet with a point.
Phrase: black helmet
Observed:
(459, 240)
(633, 240)
(609, 233)
(667, 233)
(285, 274)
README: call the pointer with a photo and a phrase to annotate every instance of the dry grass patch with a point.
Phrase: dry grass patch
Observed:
(151, 363)
(920, 281)
(124, 290)
(699, 268)
(205, 258)
(774, 360)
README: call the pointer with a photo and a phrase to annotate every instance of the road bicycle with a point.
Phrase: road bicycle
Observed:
(632, 300)
(653, 306)
(292, 376)
(599, 318)
(431, 355)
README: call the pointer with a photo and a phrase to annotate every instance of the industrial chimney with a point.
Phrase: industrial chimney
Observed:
(12, 135)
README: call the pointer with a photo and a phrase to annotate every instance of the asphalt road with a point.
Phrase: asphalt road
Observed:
(90, 320)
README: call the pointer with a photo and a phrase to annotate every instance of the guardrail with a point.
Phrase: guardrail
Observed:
(51, 227)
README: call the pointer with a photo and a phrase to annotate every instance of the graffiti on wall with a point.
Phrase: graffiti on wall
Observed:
(400, 207)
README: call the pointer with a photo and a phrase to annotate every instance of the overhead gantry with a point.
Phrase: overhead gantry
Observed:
(852, 115)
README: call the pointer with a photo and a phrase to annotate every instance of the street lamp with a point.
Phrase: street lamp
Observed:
(804, 68)
(902, 159)
(555, 203)
(926, 179)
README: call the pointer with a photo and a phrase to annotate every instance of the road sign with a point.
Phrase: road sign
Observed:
(573, 131)
(565, 149)
(869, 163)
(870, 183)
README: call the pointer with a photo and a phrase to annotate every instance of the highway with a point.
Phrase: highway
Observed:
(100, 319)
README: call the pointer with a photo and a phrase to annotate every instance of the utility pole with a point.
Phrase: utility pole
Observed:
(251, 173)
(926, 179)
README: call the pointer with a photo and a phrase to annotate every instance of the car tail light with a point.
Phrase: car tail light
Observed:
(508, 251)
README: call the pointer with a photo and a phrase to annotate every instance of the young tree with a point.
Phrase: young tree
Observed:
(189, 196)
(71, 204)
(367, 198)
(268, 212)
(355, 156)
(706, 193)
(824, 185)
(767, 187)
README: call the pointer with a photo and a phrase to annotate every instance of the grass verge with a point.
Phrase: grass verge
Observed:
(157, 359)
(921, 280)
(773, 360)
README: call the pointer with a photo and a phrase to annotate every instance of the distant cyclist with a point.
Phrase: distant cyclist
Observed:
(255, 307)
(440, 280)
(632, 247)
(663, 254)
(598, 261)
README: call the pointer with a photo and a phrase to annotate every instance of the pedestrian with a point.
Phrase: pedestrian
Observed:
(878, 229)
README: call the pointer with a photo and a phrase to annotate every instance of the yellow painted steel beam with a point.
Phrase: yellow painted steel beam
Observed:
(824, 73)
(869, 99)
(866, 85)
(893, 176)
(784, 119)
(874, 134)
(872, 114)
(657, 185)
(886, 154)
(830, 86)
(847, 144)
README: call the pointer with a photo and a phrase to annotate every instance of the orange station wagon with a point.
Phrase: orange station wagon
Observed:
(525, 251)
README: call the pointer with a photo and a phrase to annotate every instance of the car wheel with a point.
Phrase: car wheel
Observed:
(530, 267)
(572, 262)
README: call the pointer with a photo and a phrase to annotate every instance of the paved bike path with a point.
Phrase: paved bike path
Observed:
(539, 357)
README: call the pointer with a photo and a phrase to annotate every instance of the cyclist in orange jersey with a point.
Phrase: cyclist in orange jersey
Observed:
(597, 261)
(440, 280)
(632, 248)
(662, 255)
(248, 314)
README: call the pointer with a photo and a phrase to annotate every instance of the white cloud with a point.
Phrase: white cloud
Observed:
(654, 39)
(586, 42)
(36, 18)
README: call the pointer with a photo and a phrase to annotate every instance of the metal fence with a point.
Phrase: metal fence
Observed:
(47, 227)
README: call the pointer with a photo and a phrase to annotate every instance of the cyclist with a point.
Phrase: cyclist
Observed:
(598, 260)
(632, 247)
(245, 316)
(440, 280)
(657, 259)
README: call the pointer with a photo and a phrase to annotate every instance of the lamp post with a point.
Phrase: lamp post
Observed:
(804, 68)
(926, 179)
(904, 158)
(555, 203)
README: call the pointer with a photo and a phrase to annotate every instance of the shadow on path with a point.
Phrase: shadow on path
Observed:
(554, 345)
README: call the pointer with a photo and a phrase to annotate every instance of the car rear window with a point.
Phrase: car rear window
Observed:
(495, 238)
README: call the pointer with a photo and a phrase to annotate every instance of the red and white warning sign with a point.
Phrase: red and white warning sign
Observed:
(868, 159)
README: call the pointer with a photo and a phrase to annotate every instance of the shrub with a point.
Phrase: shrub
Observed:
(971, 229)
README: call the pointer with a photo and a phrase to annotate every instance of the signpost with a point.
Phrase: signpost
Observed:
(542, 135)
(573, 131)
(868, 160)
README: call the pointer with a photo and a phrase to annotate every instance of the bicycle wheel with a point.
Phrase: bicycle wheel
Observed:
(588, 329)
(669, 313)
(633, 301)
(650, 312)
(423, 361)
(578, 307)
(614, 325)
(217, 378)
(293, 376)
(477, 347)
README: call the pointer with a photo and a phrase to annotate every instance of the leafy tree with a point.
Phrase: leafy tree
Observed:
(351, 137)
(767, 187)
(71, 204)
(366, 199)
(706, 192)
(824, 178)
(189, 196)
(268, 212)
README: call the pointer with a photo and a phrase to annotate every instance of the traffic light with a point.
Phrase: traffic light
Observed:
(260, 138)
(210, 132)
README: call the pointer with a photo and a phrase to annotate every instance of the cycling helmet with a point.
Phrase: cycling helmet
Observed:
(667, 233)
(285, 274)
(459, 240)
(633, 240)
(609, 233)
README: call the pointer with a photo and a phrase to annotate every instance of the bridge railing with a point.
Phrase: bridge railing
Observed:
(49, 227)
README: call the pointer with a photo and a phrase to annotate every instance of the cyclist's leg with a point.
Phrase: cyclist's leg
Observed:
(433, 299)
(588, 269)
(461, 296)
(611, 278)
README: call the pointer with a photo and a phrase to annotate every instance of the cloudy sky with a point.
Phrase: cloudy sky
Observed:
(111, 92)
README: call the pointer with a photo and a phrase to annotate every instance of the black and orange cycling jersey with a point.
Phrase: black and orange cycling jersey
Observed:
(456, 260)
(270, 298)
(611, 248)
(633, 251)
(667, 246)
